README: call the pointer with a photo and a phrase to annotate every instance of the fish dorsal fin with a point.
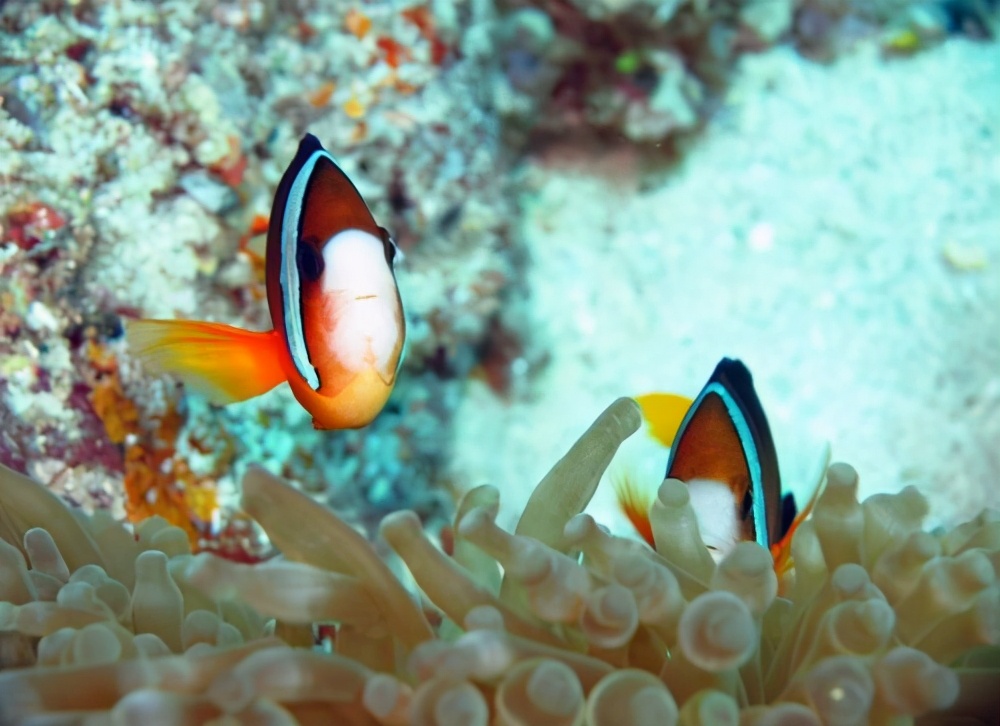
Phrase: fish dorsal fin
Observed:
(725, 437)
(314, 202)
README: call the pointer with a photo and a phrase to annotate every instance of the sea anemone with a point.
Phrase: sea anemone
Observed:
(557, 623)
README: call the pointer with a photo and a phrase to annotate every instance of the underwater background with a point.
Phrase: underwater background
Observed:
(594, 199)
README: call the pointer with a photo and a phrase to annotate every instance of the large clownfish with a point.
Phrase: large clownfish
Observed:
(720, 444)
(337, 315)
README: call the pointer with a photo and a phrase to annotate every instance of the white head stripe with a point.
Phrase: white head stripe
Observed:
(290, 284)
(749, 447)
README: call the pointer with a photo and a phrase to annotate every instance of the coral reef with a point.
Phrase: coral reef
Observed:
(880, 622)
(650, 71)
(137, 142)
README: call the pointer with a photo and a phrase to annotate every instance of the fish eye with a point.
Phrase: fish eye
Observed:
(309, 259)
(389, 245)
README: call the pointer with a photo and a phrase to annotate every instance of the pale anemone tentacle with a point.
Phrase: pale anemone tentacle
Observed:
(883, 622)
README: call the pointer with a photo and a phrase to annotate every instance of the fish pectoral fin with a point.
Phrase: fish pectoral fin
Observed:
(223, 363)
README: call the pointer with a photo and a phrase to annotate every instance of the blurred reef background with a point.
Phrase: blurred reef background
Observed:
(595, 198)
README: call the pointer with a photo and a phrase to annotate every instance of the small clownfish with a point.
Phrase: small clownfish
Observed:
(338, 320)
(720, 444)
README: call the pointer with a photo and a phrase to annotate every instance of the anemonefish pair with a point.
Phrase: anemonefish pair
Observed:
(720, 444)
(337, 315)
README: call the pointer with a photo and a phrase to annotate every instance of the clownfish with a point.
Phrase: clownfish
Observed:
(721, 445)
(337, 316)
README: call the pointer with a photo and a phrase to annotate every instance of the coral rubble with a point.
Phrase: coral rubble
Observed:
(137, 141)
(559, 622)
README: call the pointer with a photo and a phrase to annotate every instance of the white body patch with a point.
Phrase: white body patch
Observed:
(718, 522)
(366, 331)
(291, 294)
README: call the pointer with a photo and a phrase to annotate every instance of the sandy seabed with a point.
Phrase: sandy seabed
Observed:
(837, 228)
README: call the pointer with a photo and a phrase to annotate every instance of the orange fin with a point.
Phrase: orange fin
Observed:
(664, 412)
(253, 242)
(253, 245)
(635, 505)
(781, 550)
(223, 363)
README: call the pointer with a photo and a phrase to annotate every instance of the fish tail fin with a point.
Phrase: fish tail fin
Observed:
(223, 363)
(634, 504)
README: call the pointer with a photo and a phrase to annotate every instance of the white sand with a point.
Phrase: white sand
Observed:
(803, 233)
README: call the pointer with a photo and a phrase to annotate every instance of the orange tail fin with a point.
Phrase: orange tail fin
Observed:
(223, 363)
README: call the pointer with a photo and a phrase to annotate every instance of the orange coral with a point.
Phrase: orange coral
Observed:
(157, 480)
(231, 168)
(420, 16)
(357, 23)
(319, 97)
(354, 108)
(27, 222)
(395, 52)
